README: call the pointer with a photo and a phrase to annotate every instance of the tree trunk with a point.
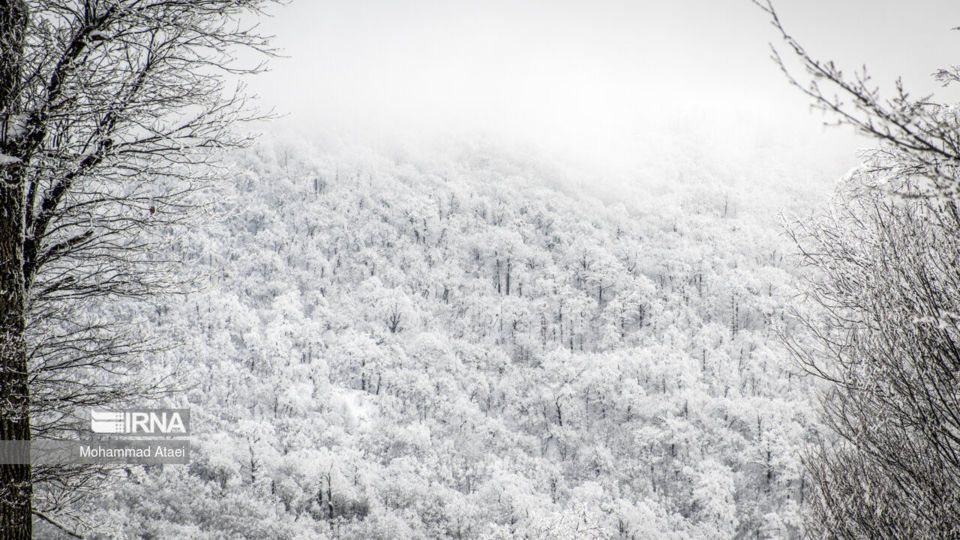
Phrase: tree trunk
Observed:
(508, 276)
(15, 485)
(16, 488)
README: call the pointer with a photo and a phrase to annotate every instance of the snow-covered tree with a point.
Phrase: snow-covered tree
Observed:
(108, 111)
(883, 308)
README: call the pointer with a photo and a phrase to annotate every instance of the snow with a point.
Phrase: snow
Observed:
(8, 160)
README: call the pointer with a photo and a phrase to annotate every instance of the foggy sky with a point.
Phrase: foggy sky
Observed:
(598, 75)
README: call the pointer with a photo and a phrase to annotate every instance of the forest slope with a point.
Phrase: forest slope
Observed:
(387, 349)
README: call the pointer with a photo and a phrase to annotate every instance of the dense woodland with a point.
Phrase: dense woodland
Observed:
(386, 347)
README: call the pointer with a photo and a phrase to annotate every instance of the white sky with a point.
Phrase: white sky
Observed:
(601, 78)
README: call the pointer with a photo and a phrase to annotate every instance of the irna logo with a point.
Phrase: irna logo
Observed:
(141, 422)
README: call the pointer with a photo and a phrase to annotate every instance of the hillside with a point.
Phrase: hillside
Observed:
(396, 349)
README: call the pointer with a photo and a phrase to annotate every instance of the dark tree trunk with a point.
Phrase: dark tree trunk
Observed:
(16, 488)
(15, 484)
(508, 277)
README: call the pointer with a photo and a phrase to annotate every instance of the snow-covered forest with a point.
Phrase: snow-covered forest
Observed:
(462, 348)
